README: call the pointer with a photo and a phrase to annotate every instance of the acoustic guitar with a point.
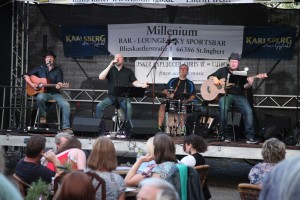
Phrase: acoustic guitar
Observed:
(210, 91)
(41, 84)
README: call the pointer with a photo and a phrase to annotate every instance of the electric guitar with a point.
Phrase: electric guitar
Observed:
(210, 91)
(41, 84)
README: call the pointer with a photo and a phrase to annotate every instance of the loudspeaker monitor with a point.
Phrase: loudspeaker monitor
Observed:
(86, 124)
(141, 128)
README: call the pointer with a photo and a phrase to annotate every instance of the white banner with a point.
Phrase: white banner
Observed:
(155, 2)
(187, 40)
(199, 70)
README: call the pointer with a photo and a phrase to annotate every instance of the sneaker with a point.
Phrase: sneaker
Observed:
(43, 120)
(252, 141)
(68, 130)
(227, 139)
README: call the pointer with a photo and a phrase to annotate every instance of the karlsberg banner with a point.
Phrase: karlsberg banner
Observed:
(179, 40)
(164, 70)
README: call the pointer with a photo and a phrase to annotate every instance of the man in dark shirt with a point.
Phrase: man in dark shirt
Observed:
(235, 95)
(118, 75)
(179, 88)
(54, 75)
(29, 168)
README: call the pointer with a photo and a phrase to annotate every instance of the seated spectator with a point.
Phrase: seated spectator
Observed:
(194, 145)
(103, 161)
(157, 189)
(7, 190)
(71, 154)
(29, 168)
(272, 151)
(76, 185)
(283, 181)
(164, 156)
(60, 139)
(133, 178)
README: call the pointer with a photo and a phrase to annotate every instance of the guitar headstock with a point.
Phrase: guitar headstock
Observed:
(65, 85)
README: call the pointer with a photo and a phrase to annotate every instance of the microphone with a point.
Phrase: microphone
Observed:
(169, 40)
(48, 63)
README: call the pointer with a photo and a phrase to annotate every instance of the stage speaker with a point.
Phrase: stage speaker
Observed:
(141, 128)
(86, 124)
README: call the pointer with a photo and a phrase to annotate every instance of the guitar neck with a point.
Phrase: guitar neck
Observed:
(49, 85)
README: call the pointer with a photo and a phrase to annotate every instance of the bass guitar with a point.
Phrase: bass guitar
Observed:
(41, 84)
(210, 91)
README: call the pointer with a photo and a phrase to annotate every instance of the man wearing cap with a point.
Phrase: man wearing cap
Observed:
(54, 75)
(234, 96)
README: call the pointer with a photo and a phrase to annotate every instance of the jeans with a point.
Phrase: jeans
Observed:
(243, 106)
(42, 98)
(125, 105)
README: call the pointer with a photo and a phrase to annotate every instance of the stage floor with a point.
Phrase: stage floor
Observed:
(216, 149)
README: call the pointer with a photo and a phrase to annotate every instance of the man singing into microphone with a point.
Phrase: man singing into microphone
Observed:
(235, 96)
(118, 75)
(54, 75)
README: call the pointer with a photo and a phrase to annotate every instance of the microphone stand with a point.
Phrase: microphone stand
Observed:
(224, 103)
(169, 41)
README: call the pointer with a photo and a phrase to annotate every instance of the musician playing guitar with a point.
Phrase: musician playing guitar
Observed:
(54, 76)
(234, 96)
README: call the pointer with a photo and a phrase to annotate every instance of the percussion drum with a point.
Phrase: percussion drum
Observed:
(175, 123)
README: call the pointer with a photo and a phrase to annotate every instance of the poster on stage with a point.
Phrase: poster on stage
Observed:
(175, 40)
(199, 70)
(84, 41)
(269, 42)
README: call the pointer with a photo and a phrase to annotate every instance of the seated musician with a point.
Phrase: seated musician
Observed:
(54, 75)
(118, 75)
(235, 95)
(179, 88)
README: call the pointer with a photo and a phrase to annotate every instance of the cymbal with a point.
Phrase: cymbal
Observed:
(156, 94)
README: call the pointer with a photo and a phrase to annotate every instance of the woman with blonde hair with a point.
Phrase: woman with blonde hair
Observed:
(103, 161)
(133, 178)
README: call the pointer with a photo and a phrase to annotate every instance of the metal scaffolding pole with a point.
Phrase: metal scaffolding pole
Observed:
(19, 64)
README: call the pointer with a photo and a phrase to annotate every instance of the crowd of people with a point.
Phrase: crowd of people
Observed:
(160, 179)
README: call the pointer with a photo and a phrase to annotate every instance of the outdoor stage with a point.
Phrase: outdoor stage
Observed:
(216, 149)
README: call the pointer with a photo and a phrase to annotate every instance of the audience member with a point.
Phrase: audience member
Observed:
(71, 154)
(133, 178)
(29, 168)
(157, 189)
(272, 151)
(283, 181)
(103, 161)
(164, 156)
(7, 190)
(60, 139)
(194, 145)
(76, 185)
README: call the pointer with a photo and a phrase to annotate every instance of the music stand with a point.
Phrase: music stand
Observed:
(121, 91)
